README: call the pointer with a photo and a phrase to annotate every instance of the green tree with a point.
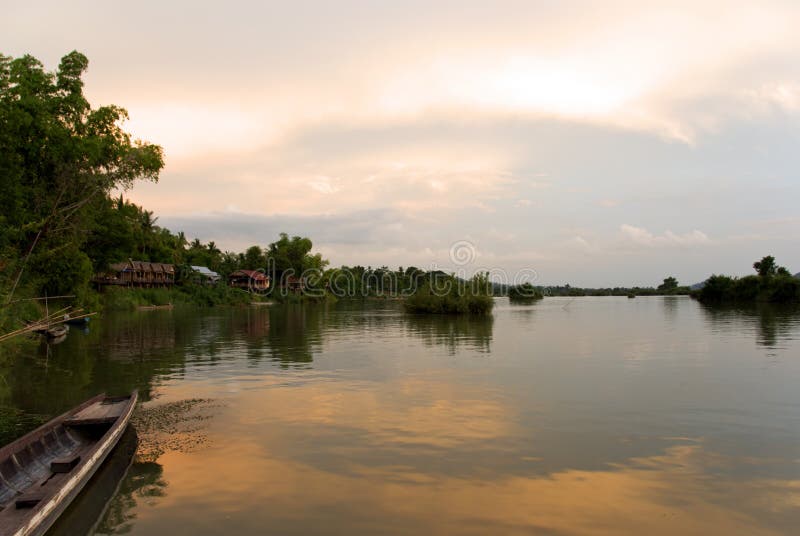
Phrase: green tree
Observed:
(59, 160)
(670, 284)
(524, 292)
(766, 267)
(254, 258)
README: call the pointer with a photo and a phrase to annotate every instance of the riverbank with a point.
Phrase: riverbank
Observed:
(131, 299)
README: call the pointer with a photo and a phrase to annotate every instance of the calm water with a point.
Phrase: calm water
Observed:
(570, 416)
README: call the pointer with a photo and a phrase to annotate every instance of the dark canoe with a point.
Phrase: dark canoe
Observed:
(54, 331)
(42, 472)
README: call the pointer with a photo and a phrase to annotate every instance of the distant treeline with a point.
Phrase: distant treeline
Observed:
(669, 287)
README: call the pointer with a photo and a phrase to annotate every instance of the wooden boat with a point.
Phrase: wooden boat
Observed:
(53, 331)
(42, 472)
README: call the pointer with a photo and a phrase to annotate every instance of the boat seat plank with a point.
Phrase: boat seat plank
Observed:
(32, 497)
(97, 413)
(29, 500)
(87, 422)
(65, 464)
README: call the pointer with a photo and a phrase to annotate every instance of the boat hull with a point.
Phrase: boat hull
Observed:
(93, 432)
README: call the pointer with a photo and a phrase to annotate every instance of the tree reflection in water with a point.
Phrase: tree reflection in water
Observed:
(452, 331)
(144, 482)
(773, 324)
(107, 502)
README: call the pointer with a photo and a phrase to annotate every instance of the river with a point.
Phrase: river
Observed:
(568, 416)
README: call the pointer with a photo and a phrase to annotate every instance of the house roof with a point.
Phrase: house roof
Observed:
(143, 266)
(202, 270)
(252, 274)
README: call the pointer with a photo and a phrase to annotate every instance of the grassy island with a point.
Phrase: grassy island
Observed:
(440, 293)
(524, 293)
(772, 283)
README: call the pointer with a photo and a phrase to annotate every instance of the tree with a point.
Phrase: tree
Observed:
(59, 159)
(254, 258)
(766, 266)
(290, 254)
(670, 284)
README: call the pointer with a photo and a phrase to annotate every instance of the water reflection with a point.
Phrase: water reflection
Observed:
(594, 416)
(295, 334)
(670, 306)
(452, 331)
(143, 484)
(433, 455)
(773, 324)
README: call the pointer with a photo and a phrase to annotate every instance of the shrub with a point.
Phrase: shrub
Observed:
(524, 293)
(446, 294)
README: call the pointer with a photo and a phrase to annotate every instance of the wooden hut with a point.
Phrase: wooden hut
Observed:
(294, 284)
(138, 274)
(252, 280)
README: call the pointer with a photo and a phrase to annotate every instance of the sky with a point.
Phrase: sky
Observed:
(596, 144)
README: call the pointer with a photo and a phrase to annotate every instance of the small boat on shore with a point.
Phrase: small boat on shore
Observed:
(56, 331)
(43, 471)
(52, 331)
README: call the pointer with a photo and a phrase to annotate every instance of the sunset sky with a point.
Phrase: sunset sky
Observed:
(596, 143)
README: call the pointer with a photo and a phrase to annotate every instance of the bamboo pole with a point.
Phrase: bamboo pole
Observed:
(47, 321)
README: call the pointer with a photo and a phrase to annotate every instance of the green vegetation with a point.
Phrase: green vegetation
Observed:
(524, 293)
(383, 282)
(63, 219)
(59, 159)
(124, 299)
(446, 294)
(772, 284)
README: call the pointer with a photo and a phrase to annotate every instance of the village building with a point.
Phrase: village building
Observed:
(138, 274)
(293, 284)
(251, 280)
(206, 275)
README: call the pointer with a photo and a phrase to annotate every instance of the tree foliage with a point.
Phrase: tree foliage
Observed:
(772, 284)
(669, 285)
(766, 267)
(59, 159)
(524, 293)
(441, 293)
(62, 217)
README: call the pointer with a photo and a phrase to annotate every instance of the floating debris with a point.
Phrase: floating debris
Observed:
(175, 426)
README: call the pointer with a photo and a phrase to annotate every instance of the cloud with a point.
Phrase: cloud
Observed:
(386, 132)
(324, 184)
(642, 237)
